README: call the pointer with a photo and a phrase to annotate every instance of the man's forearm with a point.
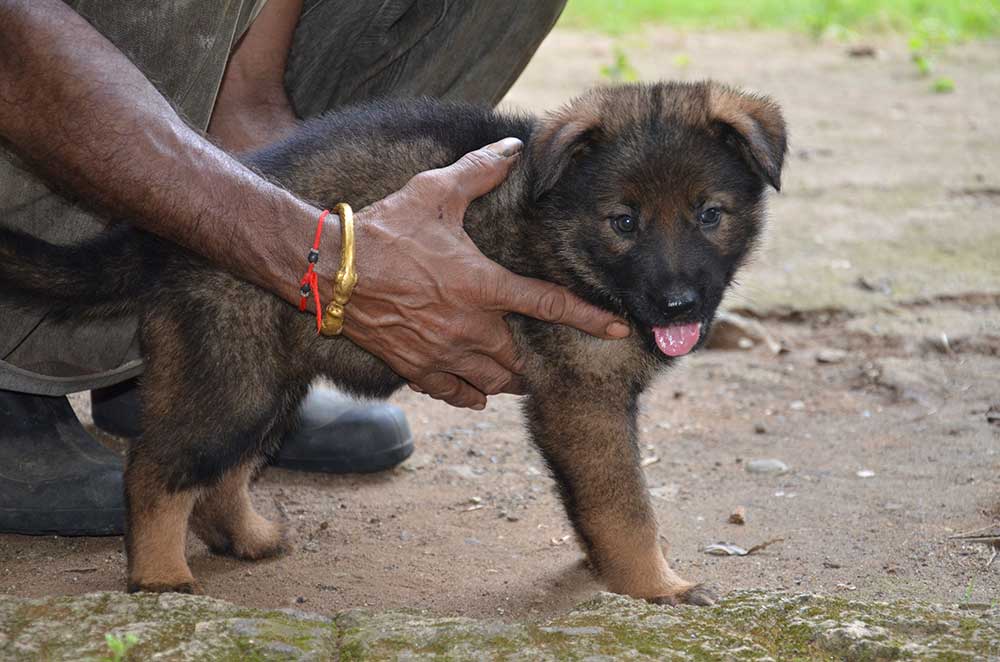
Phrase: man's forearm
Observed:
(74, 106)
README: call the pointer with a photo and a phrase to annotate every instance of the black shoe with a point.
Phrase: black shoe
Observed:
(336, 435)
(116, 409)
(340, 435)
(54, 477)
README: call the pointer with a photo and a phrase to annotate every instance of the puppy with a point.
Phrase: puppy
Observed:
(642, 199)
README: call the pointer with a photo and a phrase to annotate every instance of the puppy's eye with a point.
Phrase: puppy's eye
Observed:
(710, 216)
(624, 224)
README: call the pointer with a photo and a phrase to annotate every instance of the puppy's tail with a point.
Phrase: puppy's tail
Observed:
(104, 277)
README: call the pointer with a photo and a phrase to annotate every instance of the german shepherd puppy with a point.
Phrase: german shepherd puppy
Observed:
(642, 199)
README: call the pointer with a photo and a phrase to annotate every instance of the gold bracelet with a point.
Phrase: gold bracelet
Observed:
(347, 278)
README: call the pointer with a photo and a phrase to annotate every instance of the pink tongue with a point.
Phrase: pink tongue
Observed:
(677, 340)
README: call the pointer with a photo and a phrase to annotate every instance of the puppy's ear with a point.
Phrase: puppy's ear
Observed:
(755, 126)
(561, 137)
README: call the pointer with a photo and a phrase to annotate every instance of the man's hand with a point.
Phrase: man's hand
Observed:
(431, 305)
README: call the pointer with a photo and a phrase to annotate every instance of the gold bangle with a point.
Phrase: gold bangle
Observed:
(347, 278)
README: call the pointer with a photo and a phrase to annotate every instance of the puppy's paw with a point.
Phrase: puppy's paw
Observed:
(698, 595)
(190, 587)
(264, 540)
(255, 540)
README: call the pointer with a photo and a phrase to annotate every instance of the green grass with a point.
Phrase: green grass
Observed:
(119, 646)
(960, 19)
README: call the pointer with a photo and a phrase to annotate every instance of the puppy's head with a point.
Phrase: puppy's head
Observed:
(653, 196)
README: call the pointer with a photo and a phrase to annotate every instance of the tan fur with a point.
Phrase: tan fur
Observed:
(157, 540)
(225, 519)
(759, 121)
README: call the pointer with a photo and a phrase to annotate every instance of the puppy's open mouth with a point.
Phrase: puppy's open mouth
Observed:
(677, 339)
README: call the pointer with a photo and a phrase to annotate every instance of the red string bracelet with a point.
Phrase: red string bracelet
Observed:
(310, 282)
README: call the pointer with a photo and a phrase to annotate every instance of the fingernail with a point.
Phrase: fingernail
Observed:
(479, 406)
(506, 148)
(619, 330)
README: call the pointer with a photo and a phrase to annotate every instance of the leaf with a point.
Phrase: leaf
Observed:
(725, 549)
(729, 549)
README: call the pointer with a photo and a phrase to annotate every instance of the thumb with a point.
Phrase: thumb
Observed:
(479, 172)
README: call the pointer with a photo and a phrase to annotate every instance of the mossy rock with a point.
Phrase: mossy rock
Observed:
(745, 626)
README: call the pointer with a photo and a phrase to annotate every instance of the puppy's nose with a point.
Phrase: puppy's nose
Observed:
(681, 302)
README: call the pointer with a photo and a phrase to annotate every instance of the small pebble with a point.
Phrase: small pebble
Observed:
(667, 492)
(766, 466)
(831, 356)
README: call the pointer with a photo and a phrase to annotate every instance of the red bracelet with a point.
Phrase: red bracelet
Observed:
(310, 283)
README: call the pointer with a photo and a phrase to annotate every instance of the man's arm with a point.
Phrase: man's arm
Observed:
(73, 105)
(428, 303)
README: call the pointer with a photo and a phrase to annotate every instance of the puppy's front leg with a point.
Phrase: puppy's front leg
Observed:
(156, 534)
(588, 437)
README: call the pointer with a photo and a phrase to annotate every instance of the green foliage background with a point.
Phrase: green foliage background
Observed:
(952, 19)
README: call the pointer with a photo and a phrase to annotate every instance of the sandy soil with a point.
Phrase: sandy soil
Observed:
(885, 237)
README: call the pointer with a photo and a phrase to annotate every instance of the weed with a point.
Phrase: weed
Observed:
(943, 85)
(681, 60)
(119, 646)
(928, 39)
(621, 70)
(967, 596)
(923, 63)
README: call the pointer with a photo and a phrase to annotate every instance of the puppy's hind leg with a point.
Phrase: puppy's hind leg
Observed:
(157, 532)
(225, 519)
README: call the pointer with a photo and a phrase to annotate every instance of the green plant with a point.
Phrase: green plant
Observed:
(681, 60)
(119, 646)
(967, 596)
(621, 70)
(943, 85)
(928, 39)
(923, 64)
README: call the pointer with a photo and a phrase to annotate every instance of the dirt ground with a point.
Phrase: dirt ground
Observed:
(885, 237)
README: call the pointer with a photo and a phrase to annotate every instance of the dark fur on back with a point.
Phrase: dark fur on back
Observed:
(219, 394)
